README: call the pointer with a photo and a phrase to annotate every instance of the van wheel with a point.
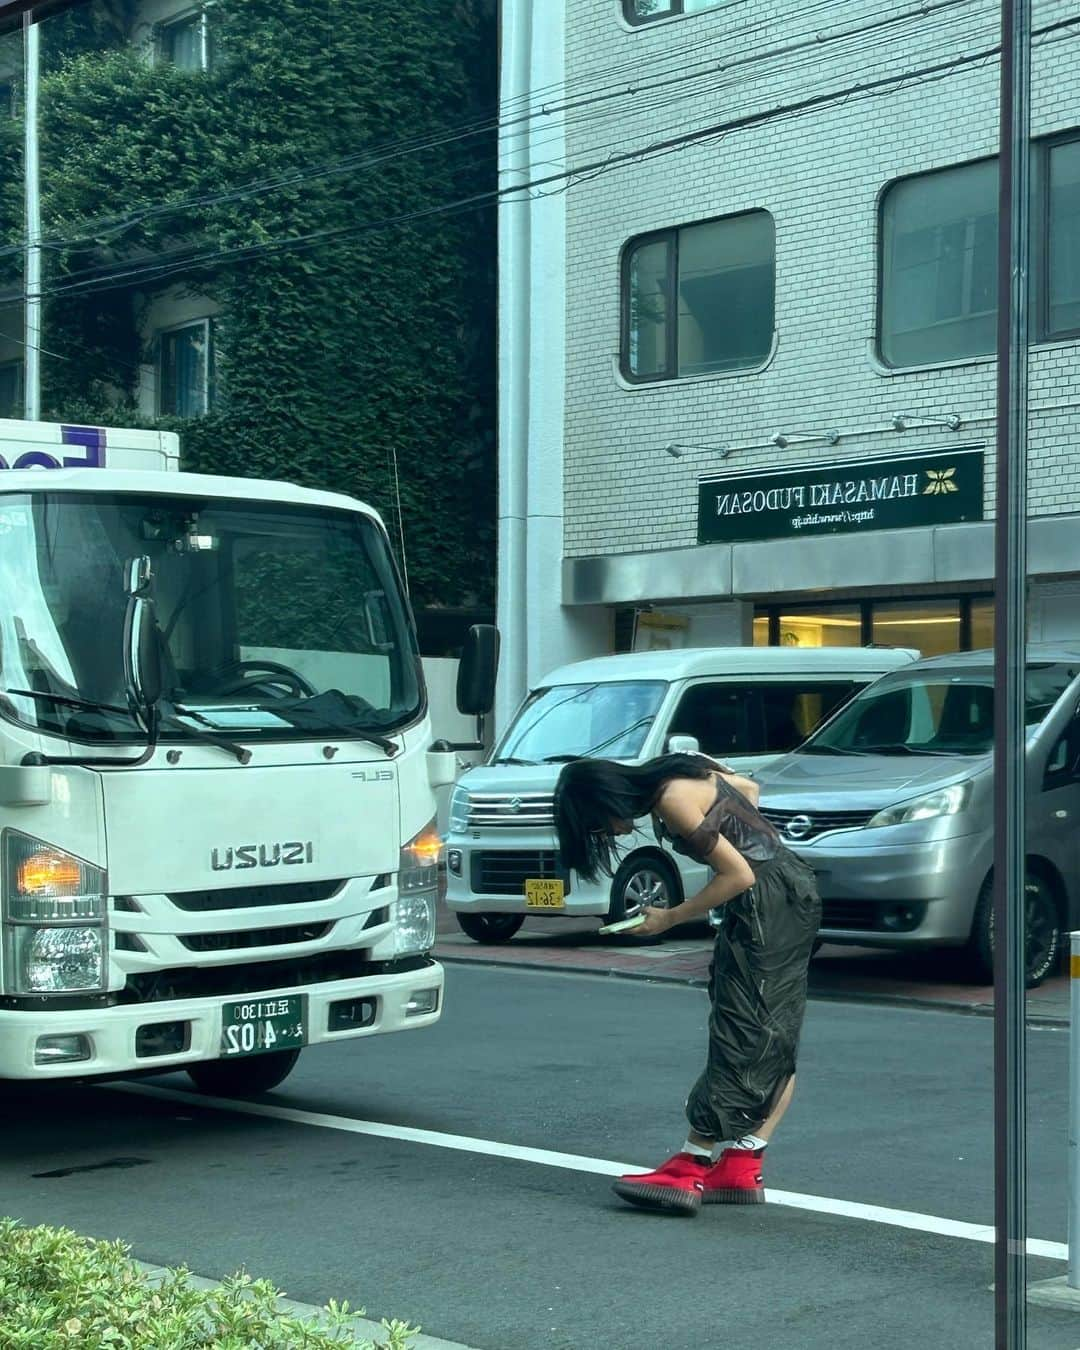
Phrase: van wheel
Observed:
(490, 927)
(1043, 932)
(243, 1077)
(644, 880)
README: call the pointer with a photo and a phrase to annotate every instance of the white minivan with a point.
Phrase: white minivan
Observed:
(742, 705)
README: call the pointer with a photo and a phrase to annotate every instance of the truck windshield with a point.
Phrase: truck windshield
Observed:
(565, 721)
(939, 712)
(275, 621)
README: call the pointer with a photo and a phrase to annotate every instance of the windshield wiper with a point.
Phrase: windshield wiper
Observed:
(66, 701)
(565, 759)
(509, 759)
(828, 750)
(901, 749)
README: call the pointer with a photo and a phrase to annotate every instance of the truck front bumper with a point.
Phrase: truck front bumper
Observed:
(111, 1033)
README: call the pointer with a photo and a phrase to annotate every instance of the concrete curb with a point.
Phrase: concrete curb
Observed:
(366, 1330)
(693, 982)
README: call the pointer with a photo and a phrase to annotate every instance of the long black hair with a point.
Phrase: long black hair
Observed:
(592, 794)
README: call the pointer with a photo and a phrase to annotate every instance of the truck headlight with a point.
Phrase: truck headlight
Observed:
(54, 915)
(418, 885)
(944, 802)
(459, 810)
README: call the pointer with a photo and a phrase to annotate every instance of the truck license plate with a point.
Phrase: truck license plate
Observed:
(255, 1026)
(545, 894)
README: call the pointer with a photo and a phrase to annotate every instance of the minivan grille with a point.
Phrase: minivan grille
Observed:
(809, 824)
(523, 810)
(505, 873)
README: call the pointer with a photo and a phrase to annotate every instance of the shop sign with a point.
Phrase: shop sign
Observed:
(891, 492)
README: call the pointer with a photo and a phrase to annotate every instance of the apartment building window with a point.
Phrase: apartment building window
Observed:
(1059, 218)
(186, 370)
(939, 266)
(11, 389)
(938, 277)
(645, 11)
(699, 300)
(184, 41)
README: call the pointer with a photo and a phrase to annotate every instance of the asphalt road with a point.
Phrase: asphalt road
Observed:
(894, 1109)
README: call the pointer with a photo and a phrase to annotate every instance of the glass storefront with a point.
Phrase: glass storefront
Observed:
(933, 626)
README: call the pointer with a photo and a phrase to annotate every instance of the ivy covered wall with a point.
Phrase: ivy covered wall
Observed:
(375, 335)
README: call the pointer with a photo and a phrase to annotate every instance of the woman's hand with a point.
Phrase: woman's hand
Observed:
(657, 921)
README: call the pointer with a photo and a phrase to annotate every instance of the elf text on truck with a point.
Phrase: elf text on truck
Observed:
(216, 774)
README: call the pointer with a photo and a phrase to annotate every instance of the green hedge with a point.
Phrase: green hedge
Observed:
(331, 359)
(60, 1291)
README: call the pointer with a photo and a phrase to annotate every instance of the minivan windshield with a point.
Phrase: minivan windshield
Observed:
(941, 711)
(567, 721)
(275, 621)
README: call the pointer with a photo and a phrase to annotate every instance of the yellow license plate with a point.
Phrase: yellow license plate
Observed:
(545, 894)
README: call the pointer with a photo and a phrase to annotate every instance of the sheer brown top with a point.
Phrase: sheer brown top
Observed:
(737, 820)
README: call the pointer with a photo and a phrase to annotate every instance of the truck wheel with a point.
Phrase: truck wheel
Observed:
(243, 1077)
(1043, 929)
(490, 927)
(646, 879)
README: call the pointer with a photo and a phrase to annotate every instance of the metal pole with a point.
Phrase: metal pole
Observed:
(1010, 569)
(32, 189)
(1073, 1277)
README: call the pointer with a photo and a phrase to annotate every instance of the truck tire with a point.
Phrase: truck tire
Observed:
(1044, 930)
(490, 927)
(243, 1077)
(644, 879)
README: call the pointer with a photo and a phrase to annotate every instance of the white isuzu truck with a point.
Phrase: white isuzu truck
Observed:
(217, 806)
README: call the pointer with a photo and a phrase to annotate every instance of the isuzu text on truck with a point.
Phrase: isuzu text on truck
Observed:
(217, 809)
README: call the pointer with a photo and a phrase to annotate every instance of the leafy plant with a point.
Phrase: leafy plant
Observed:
(60, 1291)
(371, 342)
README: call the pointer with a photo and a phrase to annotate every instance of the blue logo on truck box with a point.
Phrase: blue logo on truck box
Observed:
(90, 442)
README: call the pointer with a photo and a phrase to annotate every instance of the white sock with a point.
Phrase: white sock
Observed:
(696, 1151)
(750, 1142)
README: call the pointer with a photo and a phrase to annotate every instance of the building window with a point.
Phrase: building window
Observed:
(186, 370)
(645, 11)
(933, 626)
(938, 274)
(1059, 310)
(184, 42)
(11, 389)
(939, 266)
(699, 300)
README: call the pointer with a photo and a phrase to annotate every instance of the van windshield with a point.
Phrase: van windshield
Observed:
(933, 712)
(567, 721)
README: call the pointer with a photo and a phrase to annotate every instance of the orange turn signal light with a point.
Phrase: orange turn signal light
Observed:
(49, 873)
(426, 848)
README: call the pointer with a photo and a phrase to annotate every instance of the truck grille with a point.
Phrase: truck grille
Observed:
(227, 981)
(251, 897)
(505, 873)
(525, 810)
(255, 937)
(809, 824)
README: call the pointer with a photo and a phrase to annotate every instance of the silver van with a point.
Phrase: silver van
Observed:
(891, 802)
(745, 705)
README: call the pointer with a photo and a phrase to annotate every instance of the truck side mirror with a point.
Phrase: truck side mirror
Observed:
(683, 745)
(476, 673)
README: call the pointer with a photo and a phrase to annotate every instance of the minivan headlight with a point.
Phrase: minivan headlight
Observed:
(54, 917)
(459, 810)
(946, 801)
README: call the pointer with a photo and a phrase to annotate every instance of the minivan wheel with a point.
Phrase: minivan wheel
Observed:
(1044, 935)
(643, 880)
(490, 927)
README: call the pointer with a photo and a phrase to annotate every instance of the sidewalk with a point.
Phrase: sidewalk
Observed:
(859, 974)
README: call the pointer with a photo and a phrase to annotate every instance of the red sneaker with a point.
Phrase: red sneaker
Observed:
(675, 1185)
(735, 1179)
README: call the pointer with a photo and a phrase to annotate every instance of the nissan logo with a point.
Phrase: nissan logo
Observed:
(798, 827)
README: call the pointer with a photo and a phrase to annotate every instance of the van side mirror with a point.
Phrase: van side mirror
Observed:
(477, 671)
(683, 745)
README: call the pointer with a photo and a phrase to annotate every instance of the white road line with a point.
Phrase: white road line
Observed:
(576, 1162)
